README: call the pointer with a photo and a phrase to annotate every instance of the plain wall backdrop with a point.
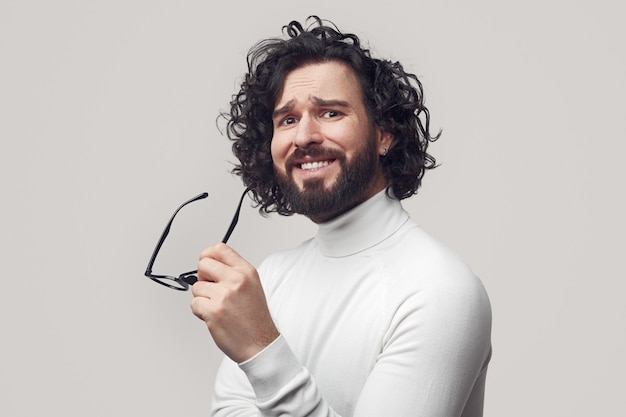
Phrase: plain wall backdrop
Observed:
(108, 121)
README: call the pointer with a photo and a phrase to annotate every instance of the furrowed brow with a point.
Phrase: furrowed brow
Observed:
(329, 103)
(284, 109)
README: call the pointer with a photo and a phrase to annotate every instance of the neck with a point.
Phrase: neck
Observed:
(364, 226)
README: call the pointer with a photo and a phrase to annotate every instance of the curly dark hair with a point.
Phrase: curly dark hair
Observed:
(393, 100)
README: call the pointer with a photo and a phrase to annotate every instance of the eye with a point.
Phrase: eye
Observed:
(329, 114)
(287, 121)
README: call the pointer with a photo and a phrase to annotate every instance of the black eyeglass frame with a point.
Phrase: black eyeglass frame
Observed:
(184, 280)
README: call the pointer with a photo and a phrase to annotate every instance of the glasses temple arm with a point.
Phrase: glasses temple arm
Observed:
(235, 219)
(166, 231)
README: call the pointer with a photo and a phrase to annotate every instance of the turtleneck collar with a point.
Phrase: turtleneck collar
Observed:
(364, 226)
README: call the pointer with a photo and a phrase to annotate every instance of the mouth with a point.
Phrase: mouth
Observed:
(313, 165)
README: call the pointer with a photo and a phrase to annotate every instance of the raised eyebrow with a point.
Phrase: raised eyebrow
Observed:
(284, 109)
(329, 103)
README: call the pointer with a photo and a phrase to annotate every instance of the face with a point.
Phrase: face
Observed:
(325, 149)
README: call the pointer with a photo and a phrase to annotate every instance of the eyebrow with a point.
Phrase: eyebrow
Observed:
(318, 101)
(284, 109)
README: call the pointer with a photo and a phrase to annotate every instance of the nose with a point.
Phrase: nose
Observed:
(307, 132)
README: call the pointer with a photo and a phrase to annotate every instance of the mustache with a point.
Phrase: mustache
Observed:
(313, 151)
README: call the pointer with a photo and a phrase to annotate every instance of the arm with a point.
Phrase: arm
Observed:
(272, 383)
(229, 298)
(435, 355)
(432, 363)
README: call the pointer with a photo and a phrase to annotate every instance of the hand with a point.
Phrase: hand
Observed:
(229, 298)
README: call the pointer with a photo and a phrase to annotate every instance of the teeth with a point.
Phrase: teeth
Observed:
(314, 165)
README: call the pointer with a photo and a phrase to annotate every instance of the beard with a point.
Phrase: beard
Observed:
(352, 186)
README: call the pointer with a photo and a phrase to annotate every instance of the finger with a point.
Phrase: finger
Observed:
(201, 308)
(213, 270)
(203, 289)
(209, 290)
(220, 262)
(207, 298)
(224, 254)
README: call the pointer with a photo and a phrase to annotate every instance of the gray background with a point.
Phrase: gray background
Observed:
(107, 123)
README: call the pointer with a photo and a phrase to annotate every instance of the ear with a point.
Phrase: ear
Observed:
(385, 140)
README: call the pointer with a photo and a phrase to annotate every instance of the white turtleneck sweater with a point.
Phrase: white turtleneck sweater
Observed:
(376, 318)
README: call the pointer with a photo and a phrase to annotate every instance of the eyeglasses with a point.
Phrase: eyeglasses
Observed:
(184, 280)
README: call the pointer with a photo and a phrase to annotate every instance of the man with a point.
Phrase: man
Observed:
(371, 317)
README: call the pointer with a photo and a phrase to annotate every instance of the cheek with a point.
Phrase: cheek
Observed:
(278, 151)
(278, 157)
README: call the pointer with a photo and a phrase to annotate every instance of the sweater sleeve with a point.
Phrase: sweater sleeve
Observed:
(273, 384)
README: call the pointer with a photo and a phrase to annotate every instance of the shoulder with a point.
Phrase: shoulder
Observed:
(418, 265)
(432, 294)
(412, 248)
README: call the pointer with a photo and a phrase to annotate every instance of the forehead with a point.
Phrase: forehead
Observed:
(329, 81)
